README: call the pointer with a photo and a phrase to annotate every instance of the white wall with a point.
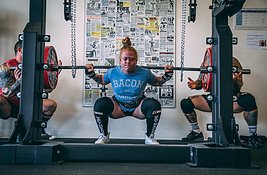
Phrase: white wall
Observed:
(73, 120)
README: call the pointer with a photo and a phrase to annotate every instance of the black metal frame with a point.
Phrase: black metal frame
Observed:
(225, 131)
(29, 119)
(30, 113)
(222, 79)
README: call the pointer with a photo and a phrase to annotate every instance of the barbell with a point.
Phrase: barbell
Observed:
(202, 69)
(51, 69)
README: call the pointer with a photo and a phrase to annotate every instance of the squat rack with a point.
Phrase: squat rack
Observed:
(224, 143)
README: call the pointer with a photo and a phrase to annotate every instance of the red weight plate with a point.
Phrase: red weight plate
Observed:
(50, 76)
(207, 77)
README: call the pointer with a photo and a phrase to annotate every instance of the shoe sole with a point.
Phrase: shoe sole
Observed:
(52, 137)
(99, 143)
(195, 140)
(151, 143)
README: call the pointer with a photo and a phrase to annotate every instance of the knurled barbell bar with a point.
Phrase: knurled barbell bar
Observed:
(202, 69)
(51, 68)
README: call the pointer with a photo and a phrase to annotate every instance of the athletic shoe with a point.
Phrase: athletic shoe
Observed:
(193, 136)
(254, 141)
(151, 140)
(46, 136)
(102, 139)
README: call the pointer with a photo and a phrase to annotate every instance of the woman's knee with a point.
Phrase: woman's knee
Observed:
(150, 106)
(104, 105)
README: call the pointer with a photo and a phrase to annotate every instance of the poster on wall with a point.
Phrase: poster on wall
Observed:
(256, 40)
(150, 24)
(251, 19)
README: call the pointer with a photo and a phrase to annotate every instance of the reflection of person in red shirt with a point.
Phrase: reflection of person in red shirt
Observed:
(9, 84)
(10, 81)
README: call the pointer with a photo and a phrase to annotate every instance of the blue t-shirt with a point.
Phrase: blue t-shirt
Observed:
(129, 87)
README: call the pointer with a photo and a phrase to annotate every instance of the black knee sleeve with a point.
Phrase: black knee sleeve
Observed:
(187, 106)
(247, 102)
(102, 109)
(104, 105)
(150, 106)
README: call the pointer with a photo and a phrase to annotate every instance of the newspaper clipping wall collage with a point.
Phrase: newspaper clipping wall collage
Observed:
(150, 24)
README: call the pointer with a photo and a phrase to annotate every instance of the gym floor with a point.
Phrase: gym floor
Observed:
(258, 156)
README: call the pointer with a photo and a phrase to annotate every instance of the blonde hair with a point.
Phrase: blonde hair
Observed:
(127, 46)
